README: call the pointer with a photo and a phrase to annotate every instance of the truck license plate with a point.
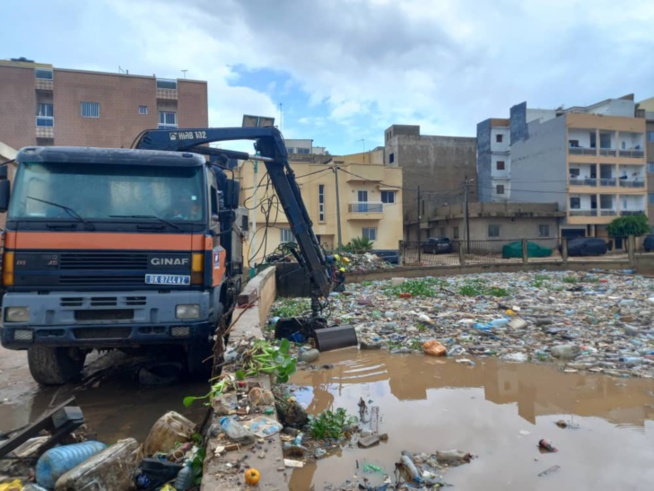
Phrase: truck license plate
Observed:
(167, 279)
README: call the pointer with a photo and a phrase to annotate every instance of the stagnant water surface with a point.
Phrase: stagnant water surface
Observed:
(497, 411)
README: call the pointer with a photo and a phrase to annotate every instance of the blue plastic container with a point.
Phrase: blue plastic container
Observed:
(57, 461)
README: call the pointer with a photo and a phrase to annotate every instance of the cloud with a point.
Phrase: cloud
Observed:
(362, 65)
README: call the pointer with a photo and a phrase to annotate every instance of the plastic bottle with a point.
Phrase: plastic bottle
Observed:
(411, 467)
(184, 478)
(499, 322)
(57, 461)
(236, 431)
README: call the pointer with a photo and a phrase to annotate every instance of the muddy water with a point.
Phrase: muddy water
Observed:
(497, 411)
(114, 405)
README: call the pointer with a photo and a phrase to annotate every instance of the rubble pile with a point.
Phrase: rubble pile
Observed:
(362, 263)
(597, 321)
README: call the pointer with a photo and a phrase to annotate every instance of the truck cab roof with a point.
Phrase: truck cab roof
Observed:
(116, 156)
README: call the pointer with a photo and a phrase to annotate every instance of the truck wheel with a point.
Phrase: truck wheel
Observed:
(199, 367)
(55, 366)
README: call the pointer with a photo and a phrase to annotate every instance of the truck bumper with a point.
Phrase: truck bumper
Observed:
(106, 319)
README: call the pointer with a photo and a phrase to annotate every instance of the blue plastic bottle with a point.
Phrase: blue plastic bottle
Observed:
(57, 461)
(184, 479)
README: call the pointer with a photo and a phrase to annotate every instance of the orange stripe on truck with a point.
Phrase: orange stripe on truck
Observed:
(108, 241)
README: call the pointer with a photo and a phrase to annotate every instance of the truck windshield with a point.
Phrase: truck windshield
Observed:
(110, 192)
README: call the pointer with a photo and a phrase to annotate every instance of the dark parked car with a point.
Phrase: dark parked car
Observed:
(648, 243)
(587, 246)
(437, 245)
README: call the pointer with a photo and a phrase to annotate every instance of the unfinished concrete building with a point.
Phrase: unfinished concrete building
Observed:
(434, 169)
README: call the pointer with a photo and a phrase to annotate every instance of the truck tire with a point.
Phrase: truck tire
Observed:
(55, 366)
(196, 354)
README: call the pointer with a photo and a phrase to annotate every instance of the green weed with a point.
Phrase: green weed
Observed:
(330, 424)
(570, 279)
(422, 287)
(477, 288)
(290, 307)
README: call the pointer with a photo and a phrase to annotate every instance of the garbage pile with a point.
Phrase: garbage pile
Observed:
(170, 459)
(362, 263)
(597, 321)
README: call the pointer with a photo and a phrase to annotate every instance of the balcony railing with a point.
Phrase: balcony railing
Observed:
(608, 181)
(608, 213)
(366, 207)
(576, 181)
(632, 153)
(608, 152)
(582, 151)
(626, 213)
(583, 213)
(45, 121)
(624, 183)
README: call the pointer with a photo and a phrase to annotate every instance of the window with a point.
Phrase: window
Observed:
(45, 115)
(593, 139)
(143, 109)
(43, 74)
(499, 189)
(544, 230)
(650, 136)
(167, 120)
(500, 165)
(499, 138)
(90, 109)
(164, 83)
(573, 143)
(286, 235)
(574, 173)
(575, 203)
(321, 202)
(493, 230)
(369, 233)
(391, 158)
(650, 198)
(650, 167)
(388, 196)
(455, 232)
(304, 151)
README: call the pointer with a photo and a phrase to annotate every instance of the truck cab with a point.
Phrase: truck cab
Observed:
(115, 248)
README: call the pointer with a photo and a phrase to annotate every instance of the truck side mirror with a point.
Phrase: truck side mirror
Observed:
(5, 191)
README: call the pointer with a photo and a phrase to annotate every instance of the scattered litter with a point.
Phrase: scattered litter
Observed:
(546, 446)
(549, 470)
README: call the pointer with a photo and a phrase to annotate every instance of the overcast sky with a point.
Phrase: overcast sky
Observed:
(344, 70)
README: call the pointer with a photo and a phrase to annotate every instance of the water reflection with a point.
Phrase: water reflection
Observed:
(536, 389)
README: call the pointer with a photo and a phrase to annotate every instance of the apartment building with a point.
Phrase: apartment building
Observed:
(369, 202)
(645, 109)
(44, 105)
(434, 169)
(589, 160)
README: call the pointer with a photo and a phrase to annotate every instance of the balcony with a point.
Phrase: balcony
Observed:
(608, 152)
(583, 213)
(608, 182)
(582, 151)
(627, 213)
(577, 181)
(627, 183)
(365, 210)
(167, 94)
(637, 154)
(608, 212)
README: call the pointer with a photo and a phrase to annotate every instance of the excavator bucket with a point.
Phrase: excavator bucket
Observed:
(314, 329)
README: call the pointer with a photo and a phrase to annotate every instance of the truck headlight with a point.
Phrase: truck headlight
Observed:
(187, 311)
(17, 314)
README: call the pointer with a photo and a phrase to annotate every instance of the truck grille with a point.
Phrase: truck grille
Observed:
(104, 260)
(102, 280)
(102, 333)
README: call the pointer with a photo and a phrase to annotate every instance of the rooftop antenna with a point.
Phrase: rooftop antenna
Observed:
(184, 72)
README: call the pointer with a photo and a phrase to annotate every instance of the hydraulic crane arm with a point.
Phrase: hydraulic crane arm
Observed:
(271, 149)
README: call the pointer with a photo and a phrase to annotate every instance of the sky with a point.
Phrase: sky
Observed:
(342, 71)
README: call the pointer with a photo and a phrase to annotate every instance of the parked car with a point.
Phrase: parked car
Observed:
(587, 246)
(648, 243)
(437, 245)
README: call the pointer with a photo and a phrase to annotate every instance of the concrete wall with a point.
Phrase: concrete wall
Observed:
(539, 166)
(436, 164)
(484, 161)
(518, 123)
(17, 106)
(650, 175)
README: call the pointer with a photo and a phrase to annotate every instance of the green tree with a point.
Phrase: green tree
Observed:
(629, 225)
(361, 245)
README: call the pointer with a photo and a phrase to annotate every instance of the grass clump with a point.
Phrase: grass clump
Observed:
(570, 279)
(290, 307)
(478, 288)
(422, 287)
(330, 424)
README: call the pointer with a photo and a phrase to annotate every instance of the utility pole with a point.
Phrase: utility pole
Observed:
(466, 187)
(338, 208)
(419, 231)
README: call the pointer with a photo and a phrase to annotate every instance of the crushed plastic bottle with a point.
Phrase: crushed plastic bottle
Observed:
(236, 431)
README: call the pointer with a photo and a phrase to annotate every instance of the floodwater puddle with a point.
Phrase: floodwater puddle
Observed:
(495, 410)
